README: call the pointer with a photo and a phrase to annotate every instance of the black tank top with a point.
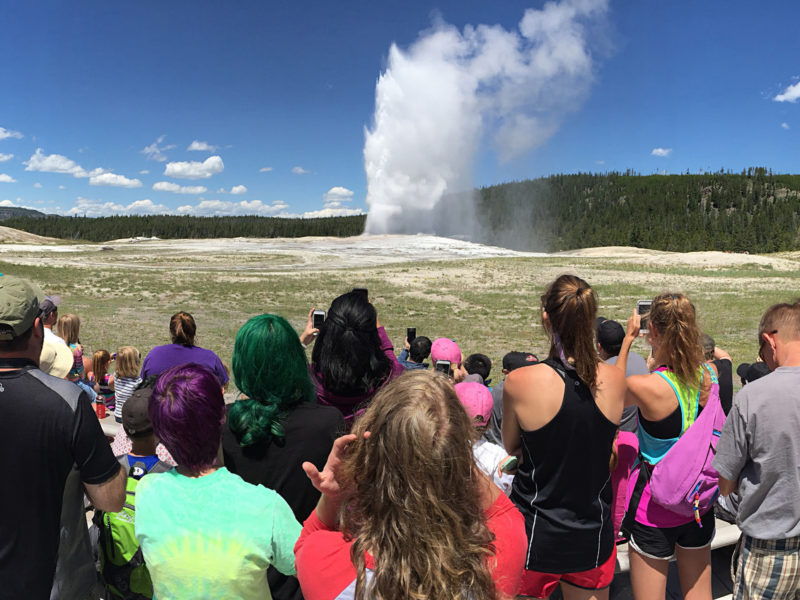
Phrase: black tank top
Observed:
(563, 487)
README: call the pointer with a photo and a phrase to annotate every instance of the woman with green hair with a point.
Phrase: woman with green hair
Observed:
(277, 425)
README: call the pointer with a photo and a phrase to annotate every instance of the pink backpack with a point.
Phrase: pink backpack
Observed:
(684, 480)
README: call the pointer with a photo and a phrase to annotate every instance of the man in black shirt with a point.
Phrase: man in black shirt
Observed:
(722, 360)
(47, 430)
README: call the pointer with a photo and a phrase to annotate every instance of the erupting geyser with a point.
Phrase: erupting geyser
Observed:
(439, 100)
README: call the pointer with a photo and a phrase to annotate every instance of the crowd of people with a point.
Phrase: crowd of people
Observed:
(363, 475)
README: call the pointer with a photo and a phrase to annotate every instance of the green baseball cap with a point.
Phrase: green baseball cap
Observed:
(19, 306)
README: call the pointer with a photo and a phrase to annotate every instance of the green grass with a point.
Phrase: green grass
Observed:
(488, 305)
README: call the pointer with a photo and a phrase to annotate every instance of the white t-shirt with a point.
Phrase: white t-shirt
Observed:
(49, 336)
(489, 456)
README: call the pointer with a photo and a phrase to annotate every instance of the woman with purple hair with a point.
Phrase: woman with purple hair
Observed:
(204, 532)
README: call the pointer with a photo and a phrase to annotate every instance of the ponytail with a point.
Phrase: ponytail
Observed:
(182, 329)
(675, 317)
(571, 307)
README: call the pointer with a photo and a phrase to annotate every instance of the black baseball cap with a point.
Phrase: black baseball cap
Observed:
(610, 334)
(515, 360)
(135, 418)
(749, 372)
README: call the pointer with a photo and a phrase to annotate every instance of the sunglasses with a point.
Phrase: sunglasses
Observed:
(763, 341)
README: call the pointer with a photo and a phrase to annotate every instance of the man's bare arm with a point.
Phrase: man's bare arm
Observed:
(108, 496)
(726, 486)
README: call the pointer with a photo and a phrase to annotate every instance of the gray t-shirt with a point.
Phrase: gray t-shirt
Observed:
(760, 448)
(494, 433)
(636, 365)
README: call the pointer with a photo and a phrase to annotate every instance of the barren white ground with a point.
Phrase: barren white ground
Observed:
(314, 253)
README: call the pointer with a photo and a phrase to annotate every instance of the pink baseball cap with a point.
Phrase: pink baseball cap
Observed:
(477, 400)
(444, 349)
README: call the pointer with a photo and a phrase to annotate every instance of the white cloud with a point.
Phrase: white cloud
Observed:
(8, 133)
(785, 125)
(37, 185)
(6, 157)
(168, 186)
(144, 172)
(195, 170)
(199, 146)
(155, 151)
(332, 212)
(600, 162)
(98, 208)
(114, 180)
(662, 152)
(235, 190)
(336, 197)
(57, 163)
(265, 169)
(62, 187)
(7, 178)
(790, 94)
(334, 203)
(223, 208)
(16, 203)
(300, 171)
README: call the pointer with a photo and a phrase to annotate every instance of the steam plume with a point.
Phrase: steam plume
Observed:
(451, 91)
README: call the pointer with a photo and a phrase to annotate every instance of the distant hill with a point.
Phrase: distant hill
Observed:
(10, 212)
(100, 229)
(755, 210)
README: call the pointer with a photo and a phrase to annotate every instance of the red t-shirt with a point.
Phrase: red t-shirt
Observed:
(325, 571)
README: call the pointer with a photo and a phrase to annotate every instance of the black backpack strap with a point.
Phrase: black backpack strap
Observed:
(642, 477)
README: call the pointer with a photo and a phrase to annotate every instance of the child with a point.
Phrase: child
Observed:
(102, 380)
(69, 326)
(126, 373)
(477, 401)
(136, 423)
(121, 563)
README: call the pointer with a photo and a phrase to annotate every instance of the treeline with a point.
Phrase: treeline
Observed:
(100, 229)
(755, 211)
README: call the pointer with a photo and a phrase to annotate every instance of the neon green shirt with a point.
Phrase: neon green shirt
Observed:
(212, 536)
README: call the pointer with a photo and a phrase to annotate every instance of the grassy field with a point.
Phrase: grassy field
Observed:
(491, 306)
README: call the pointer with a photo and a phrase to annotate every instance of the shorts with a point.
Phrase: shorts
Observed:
(660, 542)
(767, 569)
(540, 585)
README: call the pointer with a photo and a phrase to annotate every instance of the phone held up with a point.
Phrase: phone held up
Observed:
(317, 318)
(411, 333)
(509, 465)
(362, 291)
(643, 310)
(443, 366)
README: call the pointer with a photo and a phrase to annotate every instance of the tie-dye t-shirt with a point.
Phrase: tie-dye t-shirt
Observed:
(212, 536)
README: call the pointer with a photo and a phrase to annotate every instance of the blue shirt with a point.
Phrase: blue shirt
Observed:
(408, 364)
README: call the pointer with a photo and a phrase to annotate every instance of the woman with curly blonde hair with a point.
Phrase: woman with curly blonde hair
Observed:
(669, 400)
(405, 512)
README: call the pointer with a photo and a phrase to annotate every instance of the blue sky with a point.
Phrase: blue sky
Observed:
(261, 107)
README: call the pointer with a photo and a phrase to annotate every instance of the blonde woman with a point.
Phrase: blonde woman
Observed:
(669, 400)
(405, 512)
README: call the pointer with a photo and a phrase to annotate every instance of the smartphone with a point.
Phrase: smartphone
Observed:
(317, 318)
(361, 291)
(509, 465)
(643, 310)
(443, 366)
(411, 333)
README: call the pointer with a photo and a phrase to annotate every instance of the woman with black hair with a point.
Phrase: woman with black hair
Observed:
(352, 357)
